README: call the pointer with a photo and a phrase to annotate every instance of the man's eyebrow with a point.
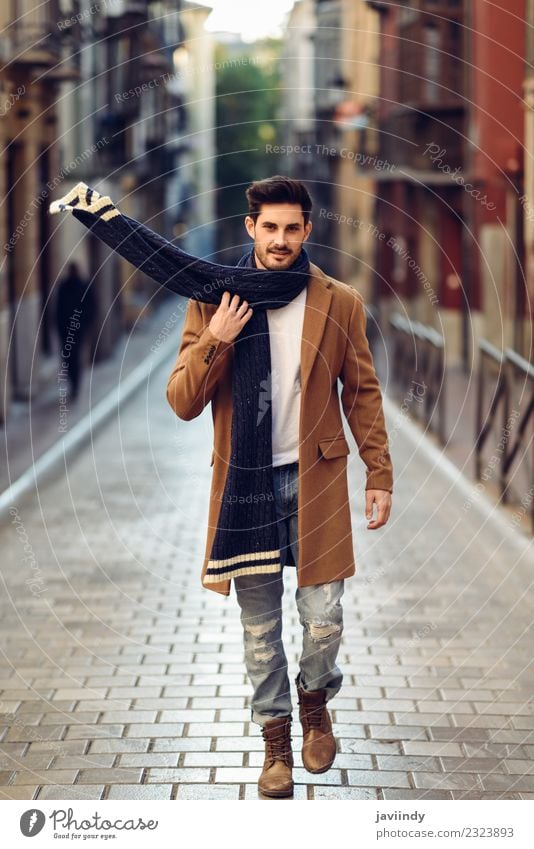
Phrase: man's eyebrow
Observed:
(291, 223)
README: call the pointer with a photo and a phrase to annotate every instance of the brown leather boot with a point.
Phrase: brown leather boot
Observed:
(276, 778)
(319, 744)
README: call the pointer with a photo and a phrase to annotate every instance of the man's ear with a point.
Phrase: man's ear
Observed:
(250, 225)
(307, 229)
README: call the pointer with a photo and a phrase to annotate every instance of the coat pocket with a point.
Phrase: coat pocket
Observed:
(334, 447)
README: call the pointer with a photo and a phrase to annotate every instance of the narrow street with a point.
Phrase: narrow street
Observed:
(122, 678)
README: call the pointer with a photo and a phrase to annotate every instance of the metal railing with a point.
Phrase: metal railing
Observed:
(419, 356)
(508, 366)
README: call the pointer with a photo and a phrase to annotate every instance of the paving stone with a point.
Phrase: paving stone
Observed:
(19, 792)
(89, 761)
(490, 794)
(460, 735)
(234, 714)
(496, 750)
(409, 763)
(81, 693)
(348, 729)
(379, 778)
(37, 761)
(64, 747)
(49, 776)
(477, 765)
(508, 783)
(64, 718)
(147, 759)
(424, 719)
(114, 775)
(29, 734)
(386, 704)
(398, 732)
(362, 717)
(506, 735)
(218, 759)
(140, 791)
(72, 791)
(187, 715)
(519, 767)
(240, 744)
(441, 781)
(218, 702)
(93, 732)
(207, 791)
(323, 792)
(181, 776)
(405, 793)
(182, 744)
(118, 745)
(370, 747)
(241, 775)
(127, 716)
(157, 729)
(423, 747)
(213, 729)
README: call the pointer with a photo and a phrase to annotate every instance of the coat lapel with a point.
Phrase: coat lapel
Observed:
(318, 300)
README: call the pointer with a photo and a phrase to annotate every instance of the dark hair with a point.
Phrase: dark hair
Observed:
(278, 189)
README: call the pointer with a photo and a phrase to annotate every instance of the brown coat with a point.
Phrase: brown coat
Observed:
(334, 345)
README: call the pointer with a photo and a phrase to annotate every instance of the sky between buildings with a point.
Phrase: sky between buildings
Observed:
(252, 19)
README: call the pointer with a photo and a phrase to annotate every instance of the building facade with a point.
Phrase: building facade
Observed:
(454, 129)
(94, 93)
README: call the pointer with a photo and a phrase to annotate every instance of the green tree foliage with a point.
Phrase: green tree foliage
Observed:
(248, 96)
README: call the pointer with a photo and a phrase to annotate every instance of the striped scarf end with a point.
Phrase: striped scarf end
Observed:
(259, 563)
(245, 570)
(82, 198)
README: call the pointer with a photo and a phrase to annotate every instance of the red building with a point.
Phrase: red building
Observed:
(450, 117)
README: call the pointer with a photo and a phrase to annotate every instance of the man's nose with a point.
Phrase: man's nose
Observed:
(280, 240)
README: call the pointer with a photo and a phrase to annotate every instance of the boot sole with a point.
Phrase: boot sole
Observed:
(318, 771)
(277, 794)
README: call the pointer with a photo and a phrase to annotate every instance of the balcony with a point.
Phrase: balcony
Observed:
(38, 38)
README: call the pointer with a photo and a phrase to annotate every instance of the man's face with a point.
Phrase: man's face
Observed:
(278, 233)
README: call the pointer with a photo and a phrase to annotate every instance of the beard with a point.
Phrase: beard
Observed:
(276, 261)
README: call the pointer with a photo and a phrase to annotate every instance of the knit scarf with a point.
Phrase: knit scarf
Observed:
(246, 540)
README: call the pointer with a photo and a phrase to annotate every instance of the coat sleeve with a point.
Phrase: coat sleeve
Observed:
(361, 400)
(199, 366)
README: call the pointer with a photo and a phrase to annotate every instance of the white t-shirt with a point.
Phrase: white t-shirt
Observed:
(285, 332)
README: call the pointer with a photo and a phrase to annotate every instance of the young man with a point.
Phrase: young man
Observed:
(317, 339)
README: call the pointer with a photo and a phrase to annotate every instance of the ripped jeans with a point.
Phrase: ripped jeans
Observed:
(320, 614)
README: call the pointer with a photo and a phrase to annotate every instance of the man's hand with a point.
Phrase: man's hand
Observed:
(382, 499)
(230, 318)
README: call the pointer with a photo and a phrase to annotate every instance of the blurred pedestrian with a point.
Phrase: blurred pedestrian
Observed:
(75, 315)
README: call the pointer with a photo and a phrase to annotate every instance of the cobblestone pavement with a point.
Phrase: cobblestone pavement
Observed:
(121, 677)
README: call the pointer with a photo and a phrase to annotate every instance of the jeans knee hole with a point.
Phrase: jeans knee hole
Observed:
(322, 630)
(262, 628)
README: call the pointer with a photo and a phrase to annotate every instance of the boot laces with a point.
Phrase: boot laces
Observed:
(279, 747)
(314, 717)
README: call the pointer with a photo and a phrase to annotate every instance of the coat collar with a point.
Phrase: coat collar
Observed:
(318, 300)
